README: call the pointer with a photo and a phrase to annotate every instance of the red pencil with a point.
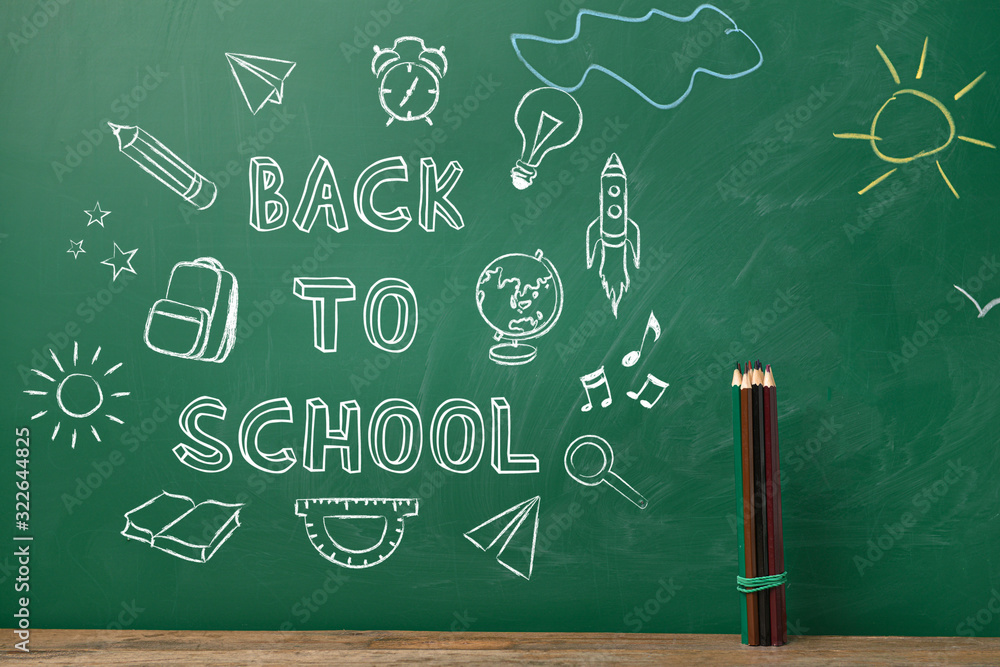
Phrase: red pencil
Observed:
(779, 542)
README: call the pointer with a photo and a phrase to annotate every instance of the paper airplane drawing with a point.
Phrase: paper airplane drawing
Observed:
(517, 552)
(261, 80)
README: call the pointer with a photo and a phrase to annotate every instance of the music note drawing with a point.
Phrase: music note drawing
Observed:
(596, 380)
(655, 382)
(653, 325)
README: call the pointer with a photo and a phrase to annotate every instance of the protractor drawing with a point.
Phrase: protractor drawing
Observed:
(368, 530)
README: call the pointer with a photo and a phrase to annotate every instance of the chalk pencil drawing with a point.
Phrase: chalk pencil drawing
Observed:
(119, 261)
(164, 165)
(266, 180)
(592, 381)
(261, 80)
(546, 119)
(76, 247)
(502, 459)
(872, 136)
(409, 74)
(176, 525)
(318, 290)
(604, 23)
(192, 322)
(76, 393)
(588, 476)
(96, 215)
(472, 432)
(632, 358)
(517, 528)
(982, 310)
(521, 297)
(659, 386)
(613, 234)
(376, 524)
(402, 320)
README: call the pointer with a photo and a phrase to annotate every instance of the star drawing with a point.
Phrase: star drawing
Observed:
(120, 261)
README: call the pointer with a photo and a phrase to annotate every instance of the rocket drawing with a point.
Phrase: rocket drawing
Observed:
(613, 234)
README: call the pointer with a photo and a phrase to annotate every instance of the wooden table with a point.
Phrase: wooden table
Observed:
(150, 647)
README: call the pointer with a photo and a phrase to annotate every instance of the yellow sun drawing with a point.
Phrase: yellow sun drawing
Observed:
(873, 137)
(78, 395)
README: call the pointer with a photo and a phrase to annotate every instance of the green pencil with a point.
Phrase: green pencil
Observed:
(738, 447)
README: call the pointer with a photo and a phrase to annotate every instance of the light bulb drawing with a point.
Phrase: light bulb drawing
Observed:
(872, 136)
(547, 119)
(78, 395)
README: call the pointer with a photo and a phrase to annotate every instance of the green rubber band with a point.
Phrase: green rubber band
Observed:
(757, 584)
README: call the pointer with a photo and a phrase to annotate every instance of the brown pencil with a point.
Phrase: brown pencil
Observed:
(760, 505)
(748, 513)
(779, 542)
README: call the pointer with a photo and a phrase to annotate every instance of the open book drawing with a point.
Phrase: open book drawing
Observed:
(177, 525)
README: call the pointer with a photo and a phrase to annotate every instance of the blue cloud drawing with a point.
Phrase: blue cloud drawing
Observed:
(625, 19)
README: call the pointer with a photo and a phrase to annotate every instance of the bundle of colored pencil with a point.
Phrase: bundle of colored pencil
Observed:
(761, 580)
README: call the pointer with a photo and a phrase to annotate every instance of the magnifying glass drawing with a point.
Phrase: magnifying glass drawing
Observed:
(604, 473)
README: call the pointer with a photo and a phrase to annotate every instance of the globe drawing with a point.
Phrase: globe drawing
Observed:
(521, 297)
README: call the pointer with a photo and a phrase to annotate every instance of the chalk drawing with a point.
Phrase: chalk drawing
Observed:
(96, 215)
(632, 358)
(324, 516)
(261, 80)
(176, 525)
(76, 395)
(192, 322)
(76, 247)
(409, 75)
(546, 119)
(512, 526)
(982, 310)
(603, 473)
(643, 48)
(120, 261)
(520, 297)
(163, 164)
(595, 380)
(873, 138)
(614, 234)
(656, 383)
(318, 290)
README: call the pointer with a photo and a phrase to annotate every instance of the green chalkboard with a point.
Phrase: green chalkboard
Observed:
(291, 314)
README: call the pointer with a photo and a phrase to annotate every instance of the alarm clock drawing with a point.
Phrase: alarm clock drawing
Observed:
(409, 78)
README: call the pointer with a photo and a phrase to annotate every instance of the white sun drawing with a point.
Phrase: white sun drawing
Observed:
(76, 395)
